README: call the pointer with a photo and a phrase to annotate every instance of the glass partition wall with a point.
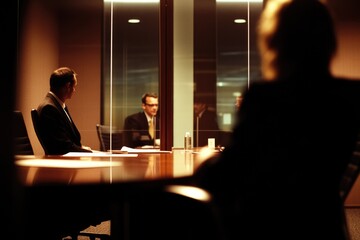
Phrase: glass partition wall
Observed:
(213, 59)
(130, 58)
(237, 59)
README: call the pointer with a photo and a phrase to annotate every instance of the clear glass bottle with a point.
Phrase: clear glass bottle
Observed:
(187, 141)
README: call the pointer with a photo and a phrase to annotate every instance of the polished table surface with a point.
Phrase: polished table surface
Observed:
(107, 168)
(69, 193)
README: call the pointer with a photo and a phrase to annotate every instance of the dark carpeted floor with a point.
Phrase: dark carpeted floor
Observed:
(352, 217)
(353, 221)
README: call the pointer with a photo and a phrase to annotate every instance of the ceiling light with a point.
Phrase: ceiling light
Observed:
(240, 20)
(133, 20)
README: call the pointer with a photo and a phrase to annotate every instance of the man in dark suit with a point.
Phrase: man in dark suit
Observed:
(142, 128)
(57, 128)
(205, 123)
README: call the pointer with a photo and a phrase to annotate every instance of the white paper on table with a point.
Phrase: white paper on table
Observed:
(143, 150)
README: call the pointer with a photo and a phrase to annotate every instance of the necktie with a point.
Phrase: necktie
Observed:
(67, 113)
(151, 128)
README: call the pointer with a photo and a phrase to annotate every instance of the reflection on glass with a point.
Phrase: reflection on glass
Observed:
(237, 60)
(183, 162)
(223, 51)
(130, 59)
(225, 63)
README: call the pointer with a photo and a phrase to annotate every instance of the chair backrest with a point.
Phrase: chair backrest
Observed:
(351, 173)
(36, 123)
(22, 144)
(103, 132)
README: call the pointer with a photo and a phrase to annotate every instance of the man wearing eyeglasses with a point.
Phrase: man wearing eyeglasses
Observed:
(142, 128)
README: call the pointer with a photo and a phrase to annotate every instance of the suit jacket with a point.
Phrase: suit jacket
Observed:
(136, 130)
(60, 135)
(280, 176)
(208, 128)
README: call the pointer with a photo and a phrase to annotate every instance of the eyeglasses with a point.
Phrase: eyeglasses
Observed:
(151, 105)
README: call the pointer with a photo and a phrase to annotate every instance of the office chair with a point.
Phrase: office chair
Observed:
(22, 144)
(103, 132)
(36, 123)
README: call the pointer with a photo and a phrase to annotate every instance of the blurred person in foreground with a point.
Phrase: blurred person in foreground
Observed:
(294, 136)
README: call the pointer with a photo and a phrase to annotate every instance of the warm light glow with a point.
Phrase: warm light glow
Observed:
(133, 20)
(59, 163)
(205, 153)
(239, 1)
(239, 20)
(237, 94)
(156, 1)
(133, 1)
(191, 192)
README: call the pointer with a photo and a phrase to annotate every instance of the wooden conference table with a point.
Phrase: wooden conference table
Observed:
(78, 190)
(108, 168)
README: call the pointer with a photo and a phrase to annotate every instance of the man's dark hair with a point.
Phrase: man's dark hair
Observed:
(143, 98)
(60, 77)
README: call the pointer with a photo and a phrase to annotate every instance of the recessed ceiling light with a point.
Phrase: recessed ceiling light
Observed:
(133, 20)
(240, 20)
